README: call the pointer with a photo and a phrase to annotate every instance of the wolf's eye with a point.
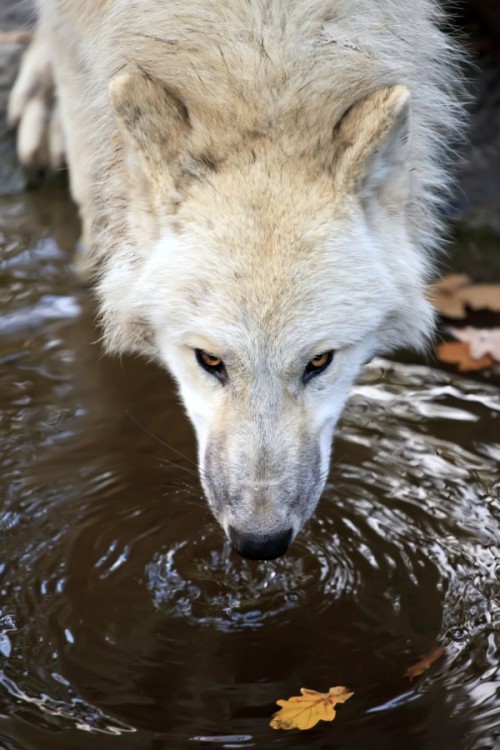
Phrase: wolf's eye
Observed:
(212, 364)
(317, 364)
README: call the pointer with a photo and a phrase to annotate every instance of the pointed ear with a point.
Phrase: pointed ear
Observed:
(153, 120)
(372, 148)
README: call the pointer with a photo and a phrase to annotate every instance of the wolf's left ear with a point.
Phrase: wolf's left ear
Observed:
(153, 120)
(372, 147)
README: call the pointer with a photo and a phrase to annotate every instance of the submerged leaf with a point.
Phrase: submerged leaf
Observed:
(304, 711)
(424, 663)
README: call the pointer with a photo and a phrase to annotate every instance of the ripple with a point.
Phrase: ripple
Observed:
(413, 504)
(115, 605)
(76, 711)
(216, 588)
(47, 308)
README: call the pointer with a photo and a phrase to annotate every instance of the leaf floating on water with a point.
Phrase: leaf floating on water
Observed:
(424, 663)
(304, 711)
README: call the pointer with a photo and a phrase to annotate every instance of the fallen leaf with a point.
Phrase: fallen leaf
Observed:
(458, 353)
(424, 663)
(442, 295)
(452, 282)
(481, 296)
(304, 711)
(453, 294)
(483, 342)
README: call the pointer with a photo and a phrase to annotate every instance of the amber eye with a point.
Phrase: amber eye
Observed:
(317, 364)
(212, 364)
(209, 360)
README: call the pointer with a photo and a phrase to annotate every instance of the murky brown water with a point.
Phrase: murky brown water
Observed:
(126, 623)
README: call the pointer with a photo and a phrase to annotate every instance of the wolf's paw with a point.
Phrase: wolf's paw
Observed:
(34, 110)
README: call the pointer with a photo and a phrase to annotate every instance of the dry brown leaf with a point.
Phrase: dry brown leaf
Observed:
(452, 282)
(452, 294)
(304, 711)
(458, 353)
(483, 342)
(424, 663)
(480, 296)
(442, 295)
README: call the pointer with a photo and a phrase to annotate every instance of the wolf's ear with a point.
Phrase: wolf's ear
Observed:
(152, 119)
(372, 147)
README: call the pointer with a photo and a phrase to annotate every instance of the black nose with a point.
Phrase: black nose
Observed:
(260, 547)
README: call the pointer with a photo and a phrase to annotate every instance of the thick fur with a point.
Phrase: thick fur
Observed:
(259, 179)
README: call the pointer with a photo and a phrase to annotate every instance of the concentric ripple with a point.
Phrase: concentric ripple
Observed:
(213, 587)
(407, 501)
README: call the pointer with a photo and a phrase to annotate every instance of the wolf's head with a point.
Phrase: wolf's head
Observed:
(270, 281)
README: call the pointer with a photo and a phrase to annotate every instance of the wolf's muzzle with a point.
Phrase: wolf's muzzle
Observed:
(260, 548)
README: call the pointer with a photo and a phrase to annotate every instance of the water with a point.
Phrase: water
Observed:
(126, 622)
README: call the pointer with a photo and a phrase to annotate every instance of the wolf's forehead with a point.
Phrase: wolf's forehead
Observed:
(283, 280)
(258, 287)
(301, 310)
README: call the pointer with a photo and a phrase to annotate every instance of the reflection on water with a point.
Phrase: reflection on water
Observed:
(126, 622)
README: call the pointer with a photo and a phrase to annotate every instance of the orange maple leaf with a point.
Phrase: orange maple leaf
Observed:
(304, 711)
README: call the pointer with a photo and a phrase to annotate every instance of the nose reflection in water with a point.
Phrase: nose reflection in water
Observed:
(125, 620)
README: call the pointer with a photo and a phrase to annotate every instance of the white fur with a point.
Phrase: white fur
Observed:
(260, 180)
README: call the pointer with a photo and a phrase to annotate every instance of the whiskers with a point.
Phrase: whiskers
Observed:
(168, 464)
(193, 474)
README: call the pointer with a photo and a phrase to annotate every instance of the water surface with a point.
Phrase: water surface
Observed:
(126, 622)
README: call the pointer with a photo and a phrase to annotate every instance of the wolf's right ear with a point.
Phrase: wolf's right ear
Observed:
(372, 148)
(152, 119)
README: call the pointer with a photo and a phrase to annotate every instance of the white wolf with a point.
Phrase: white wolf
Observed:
(258, 182)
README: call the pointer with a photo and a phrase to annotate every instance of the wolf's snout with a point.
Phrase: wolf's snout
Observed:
(260, 547)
